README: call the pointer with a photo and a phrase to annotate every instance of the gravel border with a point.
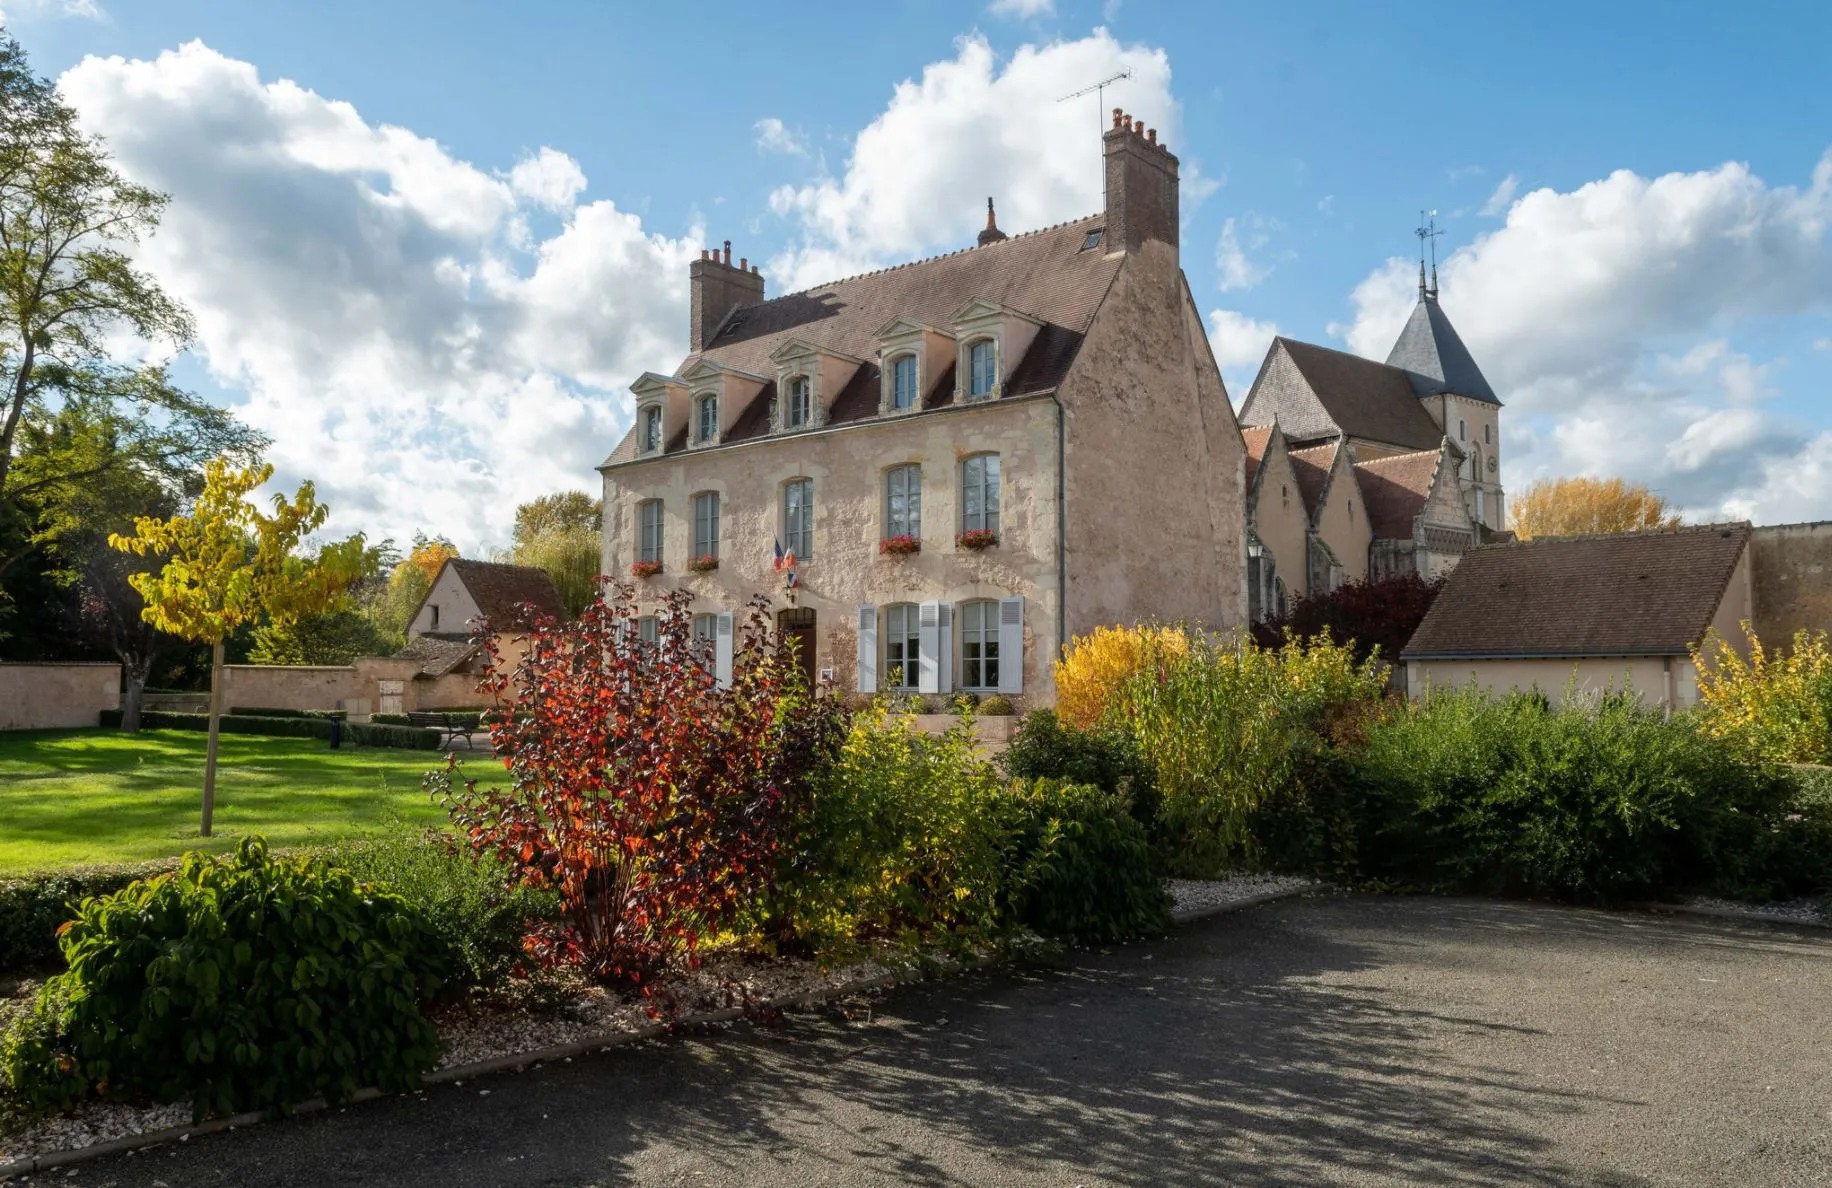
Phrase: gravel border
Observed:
(482, 1041)
(1804, 912)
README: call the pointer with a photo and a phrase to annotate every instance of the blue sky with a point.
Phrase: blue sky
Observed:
(1636, 242)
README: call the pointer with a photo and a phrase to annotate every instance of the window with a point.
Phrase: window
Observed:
(903, 501)
(798, 517)
(1093, 239)
(649, 533)
(1461, 434)
(796, 415)
(706, 627)
(648, 629)
(903, 382)
(1479, 518)
(902, 646)
(981, 370)
(706, 524)
(980, 645)
(1486, 439)
(651, 429)
(980, 494)
(709, 418)
(435, 609)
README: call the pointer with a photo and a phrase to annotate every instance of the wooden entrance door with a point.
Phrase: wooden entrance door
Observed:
(798, 625)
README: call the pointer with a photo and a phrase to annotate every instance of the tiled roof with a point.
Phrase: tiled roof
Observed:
(1394, 490)
(1363, 398)
(1635, 594)
(501, 591)
(437, 654)
(1043, 274)
(1257, 437)
(1434, 358)
(1313, 466)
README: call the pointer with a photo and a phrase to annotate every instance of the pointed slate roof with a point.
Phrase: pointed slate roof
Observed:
(1633, 594)
(1316, 393)
(1434, 357)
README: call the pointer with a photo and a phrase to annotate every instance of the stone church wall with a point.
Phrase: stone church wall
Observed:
(1792, 576)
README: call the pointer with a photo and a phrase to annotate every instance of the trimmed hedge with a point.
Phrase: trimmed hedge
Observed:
(34, 906)
(244, 711)
(406, 738)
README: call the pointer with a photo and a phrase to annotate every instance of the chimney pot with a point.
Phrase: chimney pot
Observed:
(1117, 117)
(728, 253)
(1151, 134)
(744, 264)
(753, 270)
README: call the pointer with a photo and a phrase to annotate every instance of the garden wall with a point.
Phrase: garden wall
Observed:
(1645, 675)
(296, 686)
(1793, 579)
(54, 696)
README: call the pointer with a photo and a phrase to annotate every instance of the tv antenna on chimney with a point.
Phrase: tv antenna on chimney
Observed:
(1098, 90)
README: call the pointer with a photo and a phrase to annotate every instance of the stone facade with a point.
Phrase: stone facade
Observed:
(1074, 355)
(58, 695)
(1792, 577)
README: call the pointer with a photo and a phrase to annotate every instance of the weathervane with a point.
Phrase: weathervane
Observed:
(1428, 232)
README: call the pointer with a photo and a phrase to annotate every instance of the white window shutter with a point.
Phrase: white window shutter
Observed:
(1011, 645)
(722, 651)
(928, 632)
(868, 649)
(946, 648)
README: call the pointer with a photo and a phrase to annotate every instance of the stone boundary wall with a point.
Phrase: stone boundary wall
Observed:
(1792, 578)
(296, 686)
(57, 696)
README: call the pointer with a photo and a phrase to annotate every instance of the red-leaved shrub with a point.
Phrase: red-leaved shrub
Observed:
(1367, 614)
(654, 802)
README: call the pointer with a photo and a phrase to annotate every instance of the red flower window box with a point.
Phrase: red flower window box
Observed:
(705, 564)
(900, 546)
(645, 569)
(976, 539)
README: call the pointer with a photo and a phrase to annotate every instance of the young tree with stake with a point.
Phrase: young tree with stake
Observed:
(228, 563)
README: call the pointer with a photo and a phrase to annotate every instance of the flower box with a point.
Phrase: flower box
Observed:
(705, 564)
(976, 540)
(900, 546)
(645, 569)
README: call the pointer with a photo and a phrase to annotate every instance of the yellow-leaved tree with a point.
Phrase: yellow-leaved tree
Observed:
(228, 563)
(1587, 507)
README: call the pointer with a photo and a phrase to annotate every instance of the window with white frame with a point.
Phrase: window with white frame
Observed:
(979, 645)
(705, 628)
(980, 494)
(798, 517)
(708, 411)
(903, 501)
(649, 629)
(982, 368)
(902, 647)
(795, 414)
(706, 524)
(652, 429)
(903, 382)
(649, 530)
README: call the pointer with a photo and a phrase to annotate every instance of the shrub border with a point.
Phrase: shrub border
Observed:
(603, 1041)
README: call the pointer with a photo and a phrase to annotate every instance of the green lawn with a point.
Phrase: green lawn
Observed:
(80, 797)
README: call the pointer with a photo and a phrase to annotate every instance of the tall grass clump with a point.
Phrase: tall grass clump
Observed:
(1224, 723)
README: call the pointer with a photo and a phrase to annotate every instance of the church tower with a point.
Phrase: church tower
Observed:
(1448, 383)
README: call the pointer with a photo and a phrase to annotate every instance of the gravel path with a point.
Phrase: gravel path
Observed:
(1325, 1039)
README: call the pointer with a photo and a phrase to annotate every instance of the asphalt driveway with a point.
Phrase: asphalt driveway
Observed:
(1325, 1040)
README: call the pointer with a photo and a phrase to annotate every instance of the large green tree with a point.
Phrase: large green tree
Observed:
(560, 534)
(69, 294)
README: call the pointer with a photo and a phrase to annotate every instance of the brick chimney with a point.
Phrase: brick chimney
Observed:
(719, 288)
(1141, 185)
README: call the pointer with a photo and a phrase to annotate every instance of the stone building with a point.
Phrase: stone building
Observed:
(1361, 469)
(968, 458)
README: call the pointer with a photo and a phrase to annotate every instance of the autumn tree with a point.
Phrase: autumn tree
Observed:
(1587, 507)
(229, 564)
(566, 511)
(70, 295)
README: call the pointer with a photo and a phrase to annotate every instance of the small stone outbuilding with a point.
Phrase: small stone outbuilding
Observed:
(1586, 613)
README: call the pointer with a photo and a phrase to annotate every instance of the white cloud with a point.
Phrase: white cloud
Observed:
(1604, 317)
(1326, 204)
(1822, 344)
(1239, 343)
(407, 344)
(1502, 198)
(773, 136)
(1022, 8)
(87, 10)
(1236, 269)
(972, 126)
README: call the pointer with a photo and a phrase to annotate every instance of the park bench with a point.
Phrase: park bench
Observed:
(450, 725)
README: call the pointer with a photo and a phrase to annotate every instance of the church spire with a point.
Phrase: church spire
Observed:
(1428, 232)
(991, 234)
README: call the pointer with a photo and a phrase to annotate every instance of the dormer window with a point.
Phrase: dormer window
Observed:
(707, 419)
(903, 383)
(796, 415)
(982, 369)
(652, 429)
(1093, 240)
